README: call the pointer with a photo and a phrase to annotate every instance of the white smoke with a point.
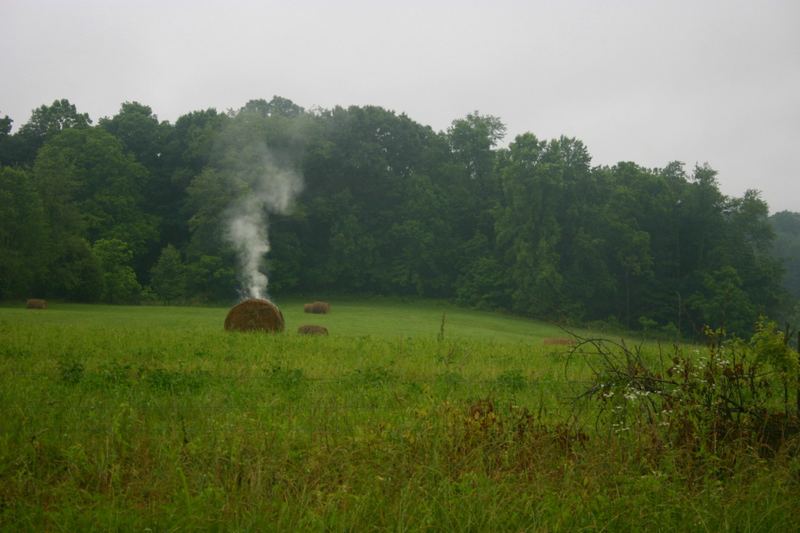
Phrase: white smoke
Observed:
(267, 187)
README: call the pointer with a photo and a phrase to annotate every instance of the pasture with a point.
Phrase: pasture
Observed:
(129, 418)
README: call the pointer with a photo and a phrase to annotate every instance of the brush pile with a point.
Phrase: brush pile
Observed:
(255, 315)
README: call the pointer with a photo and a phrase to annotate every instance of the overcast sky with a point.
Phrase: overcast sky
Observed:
(644, 81)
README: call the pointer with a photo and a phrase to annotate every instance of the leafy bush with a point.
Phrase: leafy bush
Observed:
(735, 392)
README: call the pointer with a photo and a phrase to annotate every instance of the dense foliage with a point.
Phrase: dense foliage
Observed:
(134, 208)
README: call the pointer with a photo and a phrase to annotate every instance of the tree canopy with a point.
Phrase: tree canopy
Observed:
(136, 207)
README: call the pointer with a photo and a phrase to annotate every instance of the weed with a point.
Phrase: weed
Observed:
(13, 351)
(173, 381)
(71, 372)
(440, 335)
(115, 373)
(512, 380)
(373, 376)
(447, 354)
(708, 403)
(450, 379)
(287, 378)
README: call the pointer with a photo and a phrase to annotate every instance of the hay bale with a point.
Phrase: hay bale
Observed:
(36, 303)
(311, 329)
(559, 341)
(255, 315)
(319, 308)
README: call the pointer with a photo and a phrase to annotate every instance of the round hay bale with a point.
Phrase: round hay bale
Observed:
(311, 329)
(36, 303)
(319, 308)
(255, 315)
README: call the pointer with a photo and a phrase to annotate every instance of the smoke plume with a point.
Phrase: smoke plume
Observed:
(264, 185)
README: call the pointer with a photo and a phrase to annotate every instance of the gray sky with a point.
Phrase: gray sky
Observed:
(643, 81)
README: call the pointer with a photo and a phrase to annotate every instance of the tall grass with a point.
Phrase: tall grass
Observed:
(125, 418)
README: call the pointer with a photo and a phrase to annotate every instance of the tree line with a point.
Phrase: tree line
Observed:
(132, 209)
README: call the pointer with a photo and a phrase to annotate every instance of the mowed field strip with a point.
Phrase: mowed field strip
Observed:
(384, 318)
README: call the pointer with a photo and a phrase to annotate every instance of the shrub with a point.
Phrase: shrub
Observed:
(735, 392)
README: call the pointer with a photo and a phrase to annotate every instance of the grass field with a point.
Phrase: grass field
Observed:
(129, 418)
(378, 317)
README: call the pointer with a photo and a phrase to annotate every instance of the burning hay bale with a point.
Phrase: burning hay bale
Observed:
(319, 308)
(559, 341)
(310, 329)
(255, 315)
(36, 303)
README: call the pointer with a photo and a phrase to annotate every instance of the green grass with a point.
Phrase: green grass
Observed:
(385, 318)
(126, 418)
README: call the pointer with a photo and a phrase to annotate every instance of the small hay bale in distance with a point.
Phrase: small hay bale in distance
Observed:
(255, 314)
(311, 329)
(36, 303)
(319, 308)
(559, 341)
